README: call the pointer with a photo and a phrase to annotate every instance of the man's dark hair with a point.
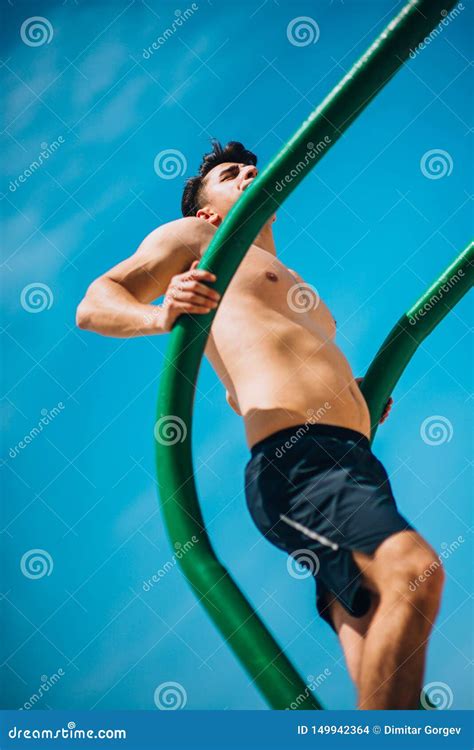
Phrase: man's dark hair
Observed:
(193, 190)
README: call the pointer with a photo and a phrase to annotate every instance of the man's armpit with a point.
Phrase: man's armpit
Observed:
(232, 403)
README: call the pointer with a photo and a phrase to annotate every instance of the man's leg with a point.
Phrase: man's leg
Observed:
(351, 632)
(393, 654)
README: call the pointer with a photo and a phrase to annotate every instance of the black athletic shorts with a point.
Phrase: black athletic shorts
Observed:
(318, 493)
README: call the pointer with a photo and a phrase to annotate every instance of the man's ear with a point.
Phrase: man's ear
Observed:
(232, 403)
(208, 214)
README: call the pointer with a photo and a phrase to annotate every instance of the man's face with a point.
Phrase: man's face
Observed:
(223, 186)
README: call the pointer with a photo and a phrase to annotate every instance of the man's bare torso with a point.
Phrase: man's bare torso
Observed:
(272, 345)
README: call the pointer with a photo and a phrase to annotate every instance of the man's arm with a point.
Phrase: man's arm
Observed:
(118, 302)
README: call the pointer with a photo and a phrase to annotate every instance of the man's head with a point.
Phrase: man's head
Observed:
(223, 175)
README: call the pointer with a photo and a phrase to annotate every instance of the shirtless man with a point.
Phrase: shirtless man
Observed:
(313, 484)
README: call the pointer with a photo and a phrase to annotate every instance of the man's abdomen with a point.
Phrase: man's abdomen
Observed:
(282, 374)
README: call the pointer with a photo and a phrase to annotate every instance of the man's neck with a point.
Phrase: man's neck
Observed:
(265, 240)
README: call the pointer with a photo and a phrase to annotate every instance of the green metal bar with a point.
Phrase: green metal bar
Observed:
(245, 633)
(412, 328)
(406, 336)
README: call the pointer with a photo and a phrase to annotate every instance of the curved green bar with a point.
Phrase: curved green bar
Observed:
(412, 328)
(245, 633)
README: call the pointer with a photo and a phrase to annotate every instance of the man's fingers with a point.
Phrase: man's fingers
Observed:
(386, 411)
(199, 273)
(181, 297)
(196, 288)
(194, 309)
(196, 299)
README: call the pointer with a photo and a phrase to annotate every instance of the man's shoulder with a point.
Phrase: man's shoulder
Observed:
(189, 235)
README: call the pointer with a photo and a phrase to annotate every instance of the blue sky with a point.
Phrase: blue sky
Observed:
(377, 232)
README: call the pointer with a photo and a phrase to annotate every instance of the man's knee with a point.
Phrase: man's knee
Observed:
(425, 576)
(413, 572)
(419, 579)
